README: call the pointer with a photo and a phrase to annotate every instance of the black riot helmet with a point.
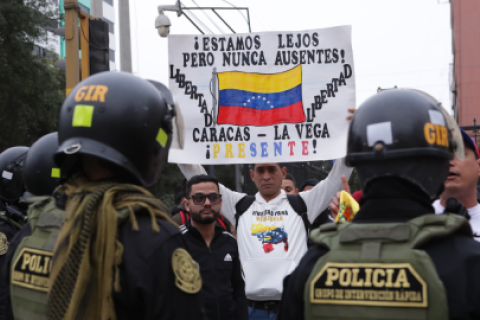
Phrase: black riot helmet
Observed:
(11, 167)
(403, 133)
(40, 173)
(120, 119)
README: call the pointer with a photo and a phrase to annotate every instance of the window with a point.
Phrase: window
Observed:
(42, 52)
(110, 2)
(112, 55)
(83, 8)
(111, 28)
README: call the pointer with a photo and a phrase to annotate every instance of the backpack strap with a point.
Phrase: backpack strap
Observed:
(298, 204)
(183, 217)
(242, 206)
(225, 223)
(221, 221)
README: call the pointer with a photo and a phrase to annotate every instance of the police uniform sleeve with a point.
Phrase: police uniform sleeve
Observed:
(176, 294)
(5, 302)
(7, 233)
(292, 304)
(152, 287)
(318, 198)
(229, 197)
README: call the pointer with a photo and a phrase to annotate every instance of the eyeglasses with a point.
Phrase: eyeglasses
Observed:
(199, 198)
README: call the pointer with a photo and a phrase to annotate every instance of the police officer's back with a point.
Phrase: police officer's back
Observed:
(12, 205)
(396, 260)
(118, 255)
(31, 249)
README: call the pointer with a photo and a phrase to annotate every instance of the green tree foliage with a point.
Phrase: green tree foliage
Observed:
(32, 89)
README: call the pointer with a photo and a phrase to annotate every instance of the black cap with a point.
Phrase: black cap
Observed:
(310, 182)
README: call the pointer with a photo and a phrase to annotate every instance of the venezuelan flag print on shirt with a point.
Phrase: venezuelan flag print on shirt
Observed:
(260, 99)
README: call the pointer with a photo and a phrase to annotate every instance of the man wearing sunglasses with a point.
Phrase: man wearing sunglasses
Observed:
(215, 250)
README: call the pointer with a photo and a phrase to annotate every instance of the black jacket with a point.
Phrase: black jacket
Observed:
(148, 289)
(147, 279)
(223, 290)
(456, 258)
(14, 237)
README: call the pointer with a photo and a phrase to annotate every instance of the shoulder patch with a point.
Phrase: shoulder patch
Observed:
(369, 284)
(3, 244)
(32, 269)
(187, 276)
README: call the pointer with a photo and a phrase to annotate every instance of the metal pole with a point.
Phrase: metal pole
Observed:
(72, 63)
(223, 21)
(191, 21)
(238, 178)
(84, 46)
(96, 8)
(125, 44)
(248, 15)
(211, 170)
(214, 95)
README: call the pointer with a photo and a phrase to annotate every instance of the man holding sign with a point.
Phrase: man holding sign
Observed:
(271, 228)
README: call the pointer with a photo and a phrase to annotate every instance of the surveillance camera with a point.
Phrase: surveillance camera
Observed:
(163, 31)
(162, 24)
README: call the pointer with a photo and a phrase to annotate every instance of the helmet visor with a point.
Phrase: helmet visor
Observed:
(178, 124)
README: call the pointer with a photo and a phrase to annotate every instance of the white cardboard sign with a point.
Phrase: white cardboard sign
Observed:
(263, 97)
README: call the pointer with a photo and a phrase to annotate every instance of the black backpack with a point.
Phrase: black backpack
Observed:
(295, 201)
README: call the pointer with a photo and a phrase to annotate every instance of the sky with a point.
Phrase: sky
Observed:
(403, 43)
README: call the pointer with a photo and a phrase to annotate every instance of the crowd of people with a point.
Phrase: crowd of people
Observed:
(82, 238)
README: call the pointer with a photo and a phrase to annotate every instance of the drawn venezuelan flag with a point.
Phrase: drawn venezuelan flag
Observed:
(260, 99)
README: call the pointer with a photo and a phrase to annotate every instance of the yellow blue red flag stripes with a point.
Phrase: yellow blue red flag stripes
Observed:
(260, 99)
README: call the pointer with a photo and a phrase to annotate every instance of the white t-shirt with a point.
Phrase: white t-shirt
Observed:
(271, 235)
(473, 212)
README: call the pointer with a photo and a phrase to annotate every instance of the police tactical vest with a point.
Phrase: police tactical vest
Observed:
(32, 261)
(377, 271)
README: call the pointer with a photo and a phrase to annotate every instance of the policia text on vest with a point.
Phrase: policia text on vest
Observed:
(32, 269)
(375, 284)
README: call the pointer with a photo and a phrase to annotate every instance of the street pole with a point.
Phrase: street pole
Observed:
(125, 44)
(238, 177)
(84, 46)
(96, 8)
(72, 63)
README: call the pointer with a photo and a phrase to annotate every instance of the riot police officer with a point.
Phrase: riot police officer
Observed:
(396, 260)
(118, 254)
(12, 205)
(34, 243)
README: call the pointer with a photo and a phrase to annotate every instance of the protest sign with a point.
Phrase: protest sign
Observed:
(263, 97)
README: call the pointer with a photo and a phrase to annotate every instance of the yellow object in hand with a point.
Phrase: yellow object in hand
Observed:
(348, 208)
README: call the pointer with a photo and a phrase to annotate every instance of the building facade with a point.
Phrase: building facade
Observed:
(465, 71)
(56, 43)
